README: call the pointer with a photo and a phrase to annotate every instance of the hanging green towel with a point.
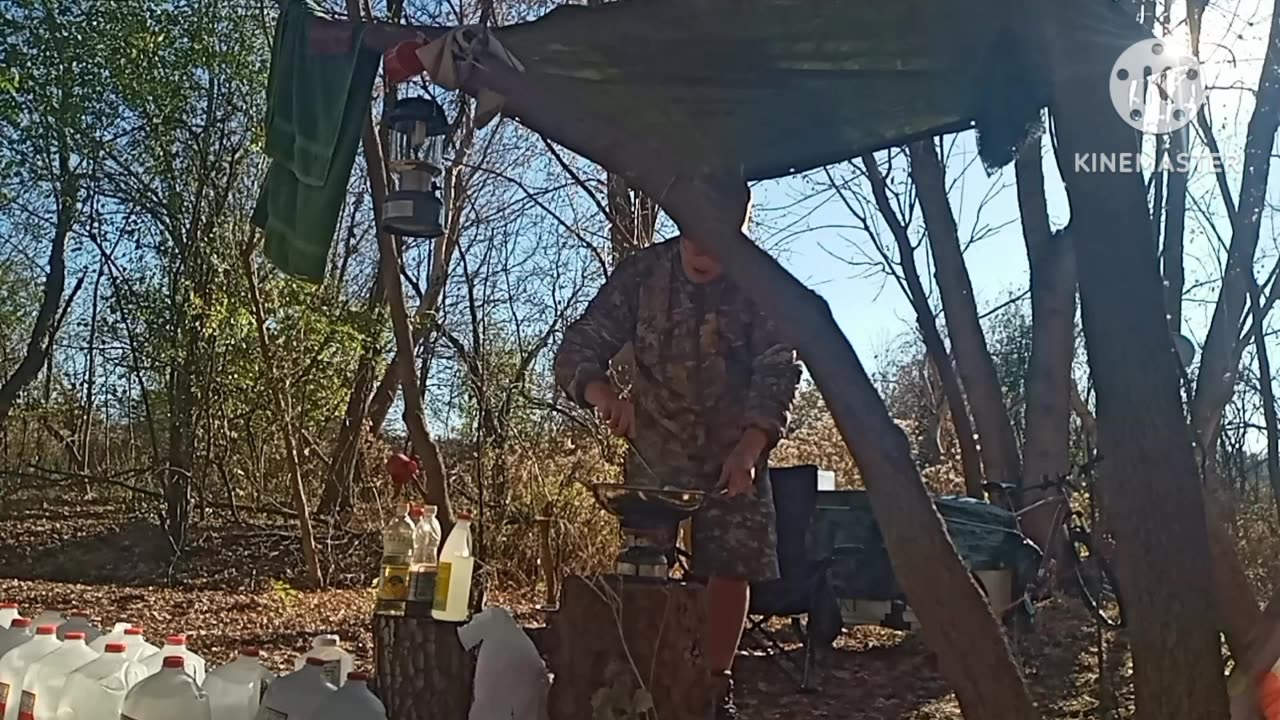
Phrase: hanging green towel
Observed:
(317, 95)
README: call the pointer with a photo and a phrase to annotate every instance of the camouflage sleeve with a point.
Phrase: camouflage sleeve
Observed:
(593, 339)
(775, 375)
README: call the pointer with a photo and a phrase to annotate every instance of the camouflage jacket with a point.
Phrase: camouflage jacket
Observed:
(707, 364)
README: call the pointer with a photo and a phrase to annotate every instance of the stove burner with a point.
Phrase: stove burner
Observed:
(649, 518)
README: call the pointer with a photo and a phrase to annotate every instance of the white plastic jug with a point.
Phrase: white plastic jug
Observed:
(353, 701)
(96, 690)
(176, 645)
(8, 612)
(337, 662)
(235, 689)
(453, 578)
(45, 679)
(511, 678)
(13, 667)
(50, 617)
(80, 622)
(170, 694)
(296, 695)
(17, 634)
(116, 634)
(136, 646)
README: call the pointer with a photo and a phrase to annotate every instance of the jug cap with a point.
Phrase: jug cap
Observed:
(464, 515)
(115, 647)
(46, 629)
(315, 661)
(9, 606)
(74, 636)
(358, 676)
(250, 651)
(430, 509)
(20, 622)
(176, 640)
(135, 630)
(416, 511)
(174, 661)
(326, 641)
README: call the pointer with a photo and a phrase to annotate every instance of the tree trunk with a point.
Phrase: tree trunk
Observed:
(1149, 485)
(421, 670)
(1265, 392)
(54, 283)
(645, 638)
(973, 360)
(1174, 230)
(1047, 452)
(1219, 364)
(970, 458)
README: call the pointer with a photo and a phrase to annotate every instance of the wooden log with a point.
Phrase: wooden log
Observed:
(422, 672)
(623, 647)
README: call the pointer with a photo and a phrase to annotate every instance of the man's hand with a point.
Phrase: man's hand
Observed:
(618, 414)
(738, 474)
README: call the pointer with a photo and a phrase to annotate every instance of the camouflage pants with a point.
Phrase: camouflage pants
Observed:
(733, 537)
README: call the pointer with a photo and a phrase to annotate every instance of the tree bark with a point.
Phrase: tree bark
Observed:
(645, 639)
(1174, 231)
(973, 359)
(1265, 391)
(1047, 451)
(1219, 365)
(970, 458)
(1149, 483)
(421, 670)
(54, 283)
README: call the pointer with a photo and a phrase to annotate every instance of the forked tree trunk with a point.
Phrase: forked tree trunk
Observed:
(970, 458)
(422, 671)
(1149, 483)
(977, 371)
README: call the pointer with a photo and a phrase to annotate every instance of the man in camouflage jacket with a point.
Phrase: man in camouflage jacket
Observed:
(709, 398)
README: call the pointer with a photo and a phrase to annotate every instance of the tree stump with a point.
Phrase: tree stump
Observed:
(623, 649)
(422, 671)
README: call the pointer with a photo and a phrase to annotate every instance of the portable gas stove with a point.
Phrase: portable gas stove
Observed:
(650, 518)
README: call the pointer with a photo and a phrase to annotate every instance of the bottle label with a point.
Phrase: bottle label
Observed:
(395, 583)
(27, 710)
(422, 585)
(332, 671)
(441, 600)
(4, 697)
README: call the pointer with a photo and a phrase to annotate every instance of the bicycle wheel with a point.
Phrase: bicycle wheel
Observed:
(1096, 582)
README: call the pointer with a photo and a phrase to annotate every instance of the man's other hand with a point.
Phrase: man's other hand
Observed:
(738, 474)
(617, 413)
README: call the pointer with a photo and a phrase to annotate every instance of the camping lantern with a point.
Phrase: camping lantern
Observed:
(418, 129)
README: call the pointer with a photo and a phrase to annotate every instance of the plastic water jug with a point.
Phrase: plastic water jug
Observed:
(13, 667)
(176, 645)
(116, 634)
(96, 690)
(45, 679)
(453, 578)
(170, 694)
(18, 633)
(296, 695)
(80, 622)
(353, 701)
(8, 612)
(136, 646)
(235, 689)
(337, 662)
(511, 678)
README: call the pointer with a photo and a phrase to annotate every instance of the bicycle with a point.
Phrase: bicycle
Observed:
(1091, 571)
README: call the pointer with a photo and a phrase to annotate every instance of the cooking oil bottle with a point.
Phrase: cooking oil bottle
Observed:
(397, 552)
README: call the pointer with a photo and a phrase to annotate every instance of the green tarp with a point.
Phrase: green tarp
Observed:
(782, 86)
(845, 531)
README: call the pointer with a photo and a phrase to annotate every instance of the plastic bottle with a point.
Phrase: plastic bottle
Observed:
(511, 680)
(13, 667)
(45, 679)
(17, 634)
(8, 612)
(337, 662)
(397, 551)
(453, 579)
(176, 645)
(353, 701)
(97, 689)
(170, 694)
(80, 622)
(426, 536)
(296, 695)
(137, 647)
(236, 689)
